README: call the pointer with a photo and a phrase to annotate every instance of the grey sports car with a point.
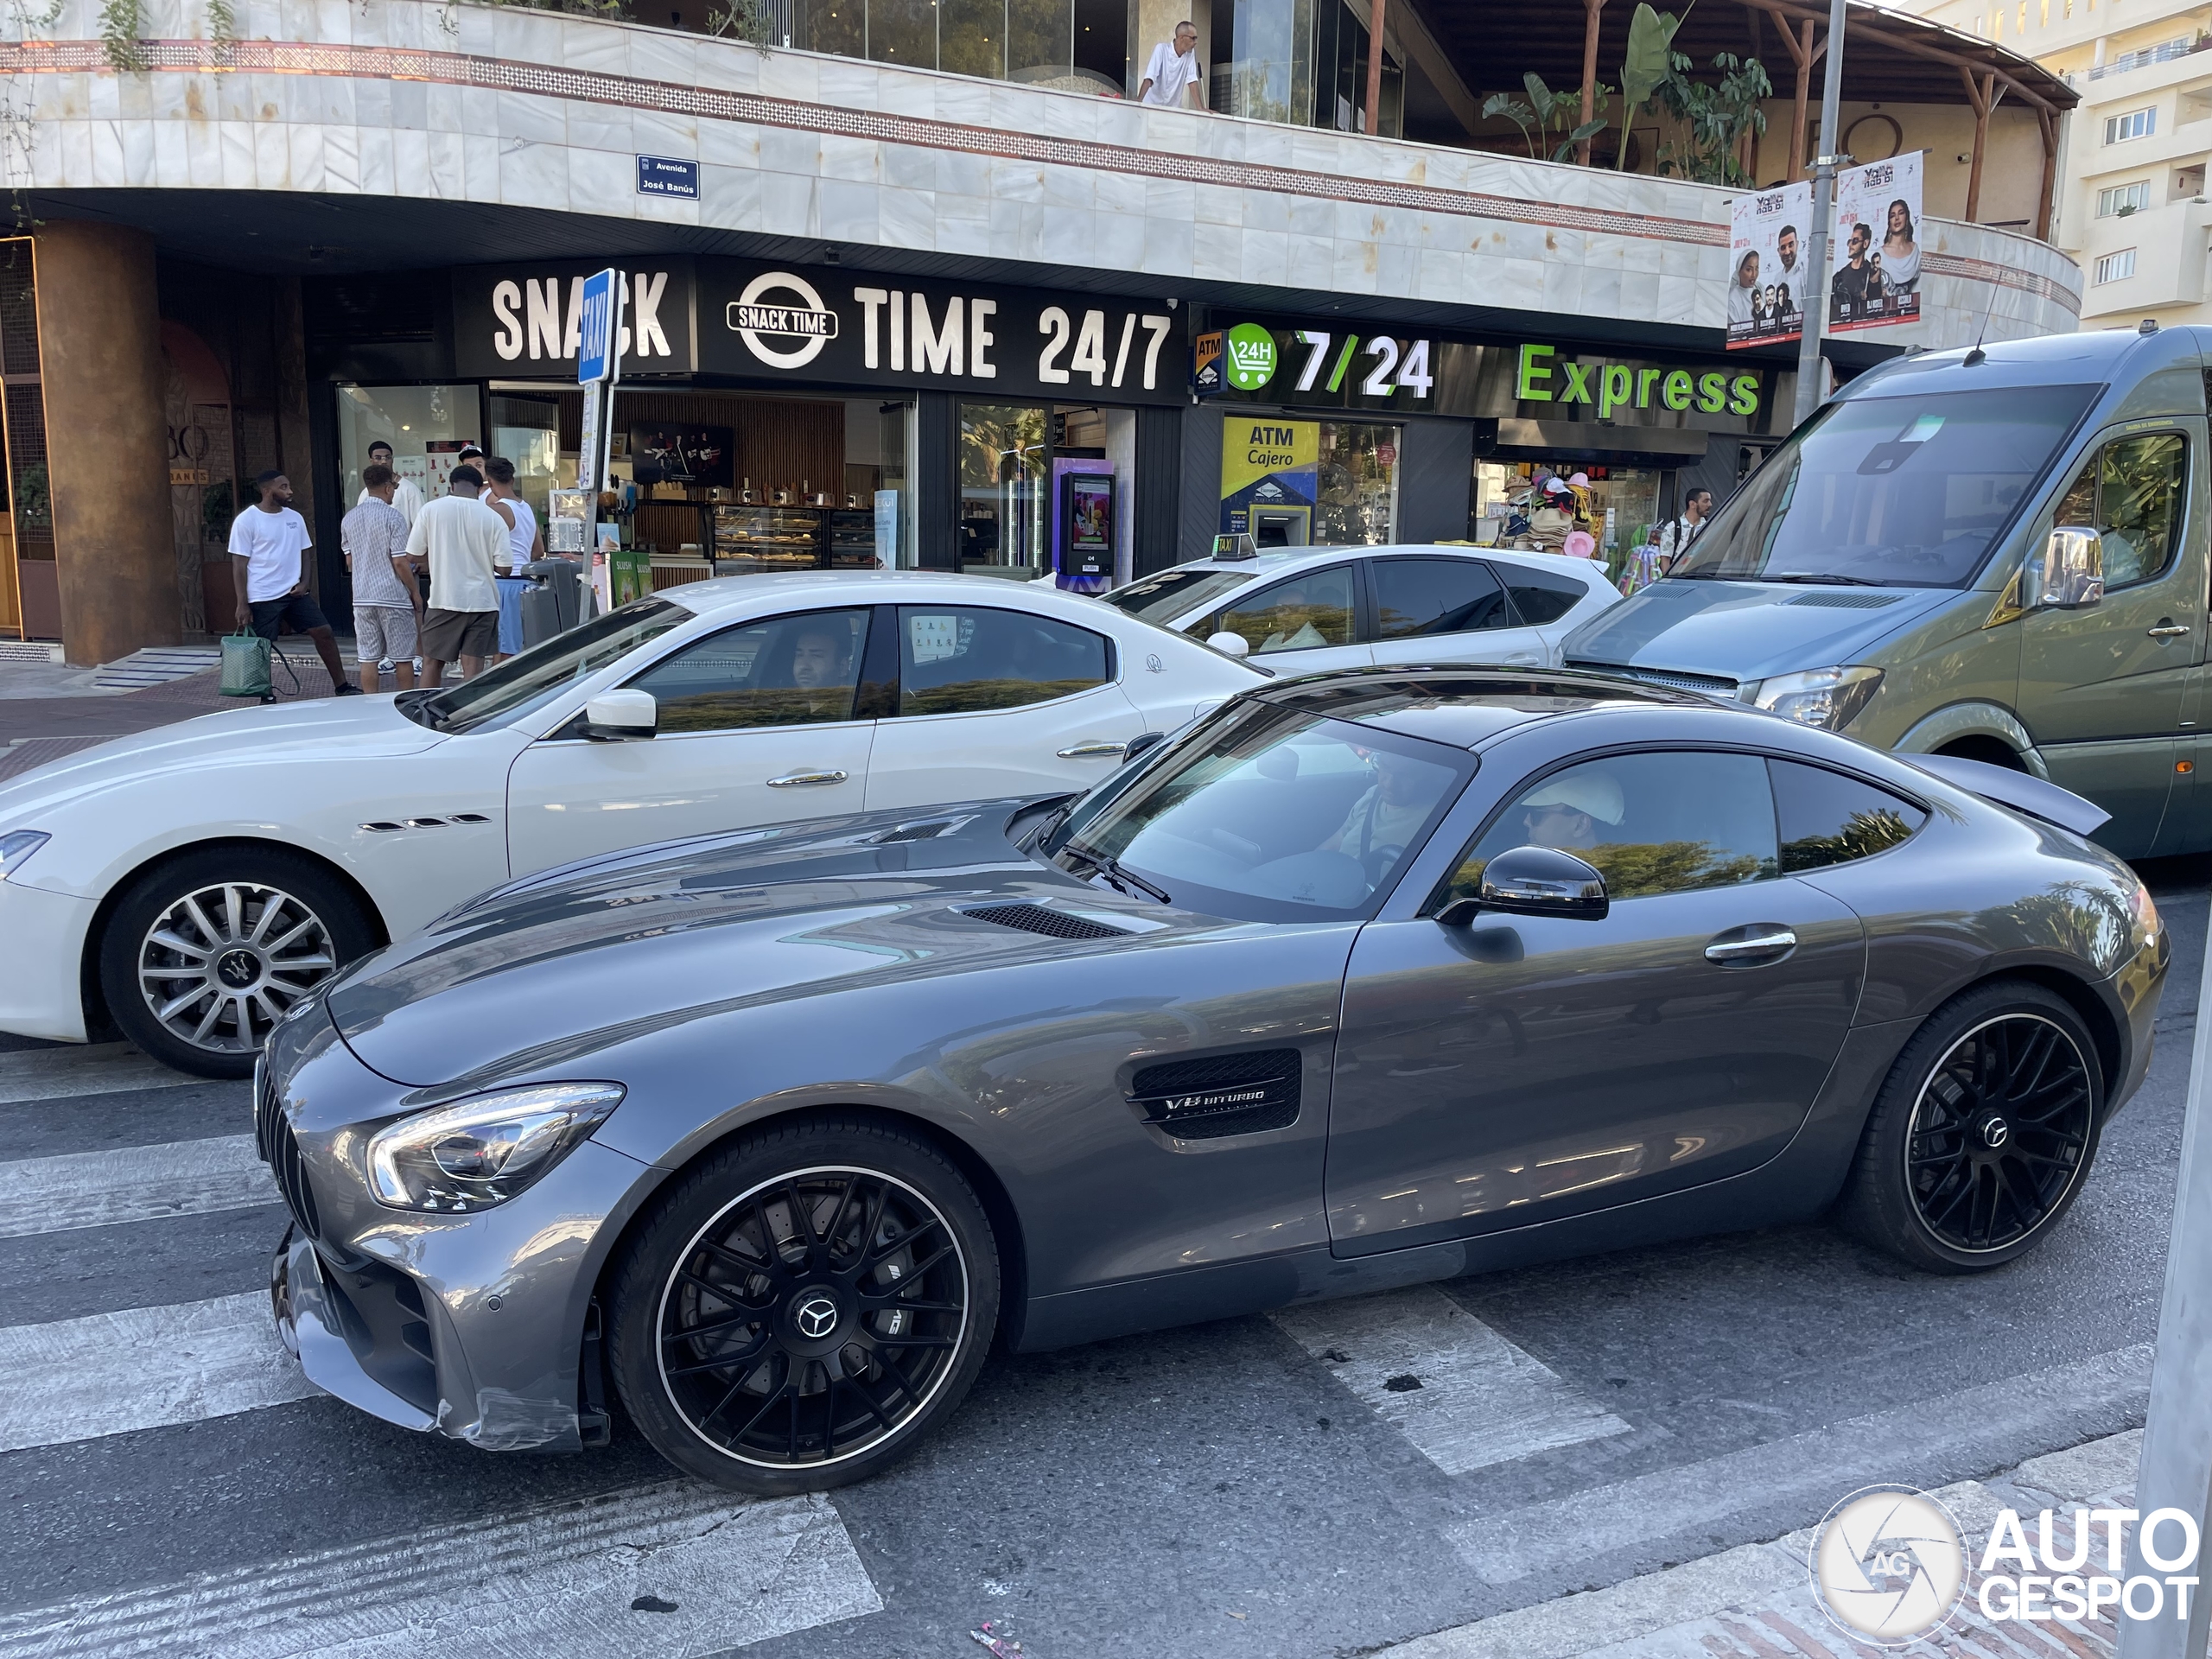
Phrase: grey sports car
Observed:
(1365, 979)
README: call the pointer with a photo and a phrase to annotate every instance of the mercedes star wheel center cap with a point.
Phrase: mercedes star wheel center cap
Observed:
(1995, 1133)
(815, 1318)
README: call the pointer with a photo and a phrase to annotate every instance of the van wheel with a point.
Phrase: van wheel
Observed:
(204, 954)
(1982, 1135)
(805, 1307)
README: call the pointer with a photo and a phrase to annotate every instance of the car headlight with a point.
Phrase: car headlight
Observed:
(475, 1154)
(2146, 919)
(17, 846)
(1827, 697)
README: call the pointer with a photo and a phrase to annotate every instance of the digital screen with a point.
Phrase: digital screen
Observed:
(1090, 516)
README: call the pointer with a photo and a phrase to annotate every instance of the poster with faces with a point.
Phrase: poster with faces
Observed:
(1766, 254)
(1876, 256)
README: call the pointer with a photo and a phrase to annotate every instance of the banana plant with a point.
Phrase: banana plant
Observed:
(1547, 111)
(1649, 63)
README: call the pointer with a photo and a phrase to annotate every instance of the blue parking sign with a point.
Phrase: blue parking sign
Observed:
(595, 349)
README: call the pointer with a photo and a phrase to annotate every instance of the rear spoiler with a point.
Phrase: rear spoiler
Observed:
(2023, 791)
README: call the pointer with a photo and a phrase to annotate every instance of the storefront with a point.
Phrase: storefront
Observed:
(1332, 434)
(776, 417)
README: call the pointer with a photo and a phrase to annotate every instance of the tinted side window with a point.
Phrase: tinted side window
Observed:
(956, 658)
(2132, 493)
(1422, 596)
(786, 670)
(1827, 818)
(1541, 596)
(1297, 613)
(1651, 823)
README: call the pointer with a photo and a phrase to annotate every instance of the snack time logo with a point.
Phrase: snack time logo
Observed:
(1543, 377)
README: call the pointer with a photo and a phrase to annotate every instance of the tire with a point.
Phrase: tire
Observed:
(1982, 1135)
(805, 1307)
(289, 924)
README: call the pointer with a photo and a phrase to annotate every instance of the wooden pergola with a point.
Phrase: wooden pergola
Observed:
(1888, 57)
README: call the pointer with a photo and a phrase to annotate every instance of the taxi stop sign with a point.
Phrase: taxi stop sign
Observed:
(595, 350)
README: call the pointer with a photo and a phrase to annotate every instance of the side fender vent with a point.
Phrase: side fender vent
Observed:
(1053, 924)
(927, 830)
(1221, 1095)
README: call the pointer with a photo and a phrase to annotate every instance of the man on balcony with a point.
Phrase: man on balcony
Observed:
(1173, 78)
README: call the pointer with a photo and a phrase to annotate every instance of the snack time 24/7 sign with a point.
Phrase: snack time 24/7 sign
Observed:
(812, 325)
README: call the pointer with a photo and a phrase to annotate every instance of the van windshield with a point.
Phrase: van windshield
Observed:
(1889, 491)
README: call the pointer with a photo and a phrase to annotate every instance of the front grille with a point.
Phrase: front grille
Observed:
(280, 1149)
(1053, 924)
(1712, 685)
(1220, 1094)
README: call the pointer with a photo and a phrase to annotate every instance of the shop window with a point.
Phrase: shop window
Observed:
(1004, 460)
(1415, 597)
(426, 426)
(1300, 613)
(1357, 487)
(959, 659)
(788, 670)
(527, 431)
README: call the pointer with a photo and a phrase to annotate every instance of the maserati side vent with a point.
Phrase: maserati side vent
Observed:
(1223, 1094)
(1054, 924)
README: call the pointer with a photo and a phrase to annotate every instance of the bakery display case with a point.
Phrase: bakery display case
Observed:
(772, 538)
(852, 538)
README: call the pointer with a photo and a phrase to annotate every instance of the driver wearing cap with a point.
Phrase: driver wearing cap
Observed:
(1565, 811)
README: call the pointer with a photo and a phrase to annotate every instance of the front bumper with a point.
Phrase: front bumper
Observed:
(41, 992)
(473, 1326)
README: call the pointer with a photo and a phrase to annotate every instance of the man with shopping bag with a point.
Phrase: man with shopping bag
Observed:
(268, 542)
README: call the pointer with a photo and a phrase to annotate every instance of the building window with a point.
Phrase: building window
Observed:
(2136, 123)
(2123, 199)
(2113, 266)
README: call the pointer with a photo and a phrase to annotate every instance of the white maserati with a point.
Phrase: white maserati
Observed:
(191, 883)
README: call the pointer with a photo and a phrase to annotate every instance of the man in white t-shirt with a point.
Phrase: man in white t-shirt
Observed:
(267, 541)
(406, 499)
(465, 542)
(1171, 80)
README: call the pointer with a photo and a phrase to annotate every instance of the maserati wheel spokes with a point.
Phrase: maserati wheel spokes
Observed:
(1999, 1133)
(222, 965)
(813, 1318)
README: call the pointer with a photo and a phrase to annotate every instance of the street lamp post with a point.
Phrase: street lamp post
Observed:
(1816, 253)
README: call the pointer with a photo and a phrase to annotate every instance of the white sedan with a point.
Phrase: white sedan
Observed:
(192, 883)
(1309, 608)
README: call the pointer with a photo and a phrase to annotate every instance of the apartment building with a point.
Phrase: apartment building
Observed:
(2131, 206)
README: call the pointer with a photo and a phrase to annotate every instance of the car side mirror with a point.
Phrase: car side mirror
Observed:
(1143, 743)
(621, 716)
(1534, 881)
(2070, 574)
(1230, 645)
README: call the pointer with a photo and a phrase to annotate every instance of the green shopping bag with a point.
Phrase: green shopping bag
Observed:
(245, 665)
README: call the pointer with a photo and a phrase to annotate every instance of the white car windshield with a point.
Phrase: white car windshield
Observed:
(530, 677)
(1171, 594)
(1265, 814)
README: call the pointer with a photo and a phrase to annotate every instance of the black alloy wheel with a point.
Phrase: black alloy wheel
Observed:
(205, 953)
(808, 1330)
(1983, 1134)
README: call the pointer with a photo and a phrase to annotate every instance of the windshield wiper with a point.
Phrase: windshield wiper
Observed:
(416, 705)
(1826, 579)
(1123, 883)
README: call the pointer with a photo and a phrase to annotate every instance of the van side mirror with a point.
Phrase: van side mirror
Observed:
(1534, 881)
(621, 716)
(2070, 574)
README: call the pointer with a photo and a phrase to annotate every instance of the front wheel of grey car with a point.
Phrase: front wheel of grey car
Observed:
(1983, 1133)
(805, 1306)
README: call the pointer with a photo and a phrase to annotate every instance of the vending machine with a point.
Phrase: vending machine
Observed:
(1083, 529)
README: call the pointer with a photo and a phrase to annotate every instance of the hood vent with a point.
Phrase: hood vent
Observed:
(1053, 924)
(1846, 601)
(927, 830)
(1221, 1095)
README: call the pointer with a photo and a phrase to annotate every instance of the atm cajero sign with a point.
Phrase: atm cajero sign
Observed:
(1542, 376)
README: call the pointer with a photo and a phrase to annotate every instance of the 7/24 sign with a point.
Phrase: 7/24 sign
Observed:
(1389, 366)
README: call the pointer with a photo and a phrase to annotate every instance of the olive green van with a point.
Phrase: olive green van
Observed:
(1999, 553)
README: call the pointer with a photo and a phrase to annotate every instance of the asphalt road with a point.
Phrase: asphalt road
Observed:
(1256, 1487)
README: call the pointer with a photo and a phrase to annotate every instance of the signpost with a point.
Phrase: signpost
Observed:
(599, 368)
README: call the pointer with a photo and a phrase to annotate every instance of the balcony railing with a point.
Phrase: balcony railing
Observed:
(2150, 54)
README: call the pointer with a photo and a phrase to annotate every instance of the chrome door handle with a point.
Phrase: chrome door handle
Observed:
(791, 779)
(1093, 751)
(1756, 945)
(2168, 630)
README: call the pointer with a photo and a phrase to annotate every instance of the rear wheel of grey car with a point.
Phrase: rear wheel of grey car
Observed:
(804, 1306)
(1983, 1134)
(204, 954)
